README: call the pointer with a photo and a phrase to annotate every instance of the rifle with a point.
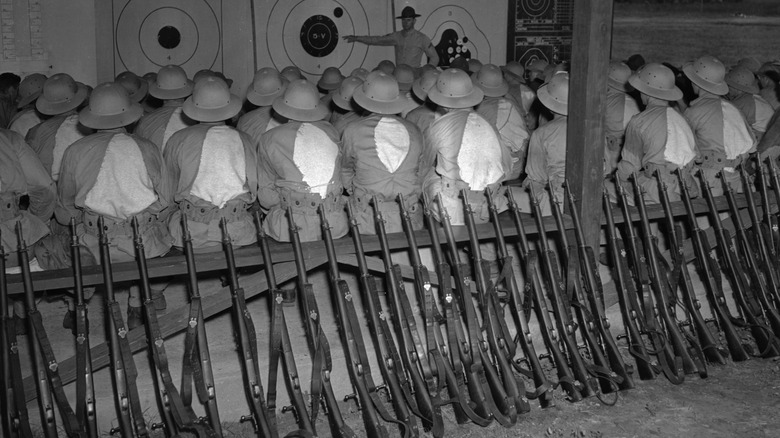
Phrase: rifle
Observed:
(45, 366)
(536, 285)
(197, 359)
(620, 374)
(489, 380)
(535, 370)
(558, 298)
(499, 339)
(414, 354)
(761, 242)
(15, 418)
(671, 364)
(281, 347)
(769, 226)
(123, 370)
(626, 289)
(660, 284)
(175, 414)
(458, 360)
(387, 355)
(246, 340)
(708, 343)
(321, 389)
(85, 385)
(709, 272)
(757, 282)
(774, 223)
(355, 348)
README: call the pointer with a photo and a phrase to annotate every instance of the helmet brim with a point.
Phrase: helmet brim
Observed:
(395, 106)
(717, 88)
(669, 95)
(550, 102)
(170, 94)
(218, 114)
(467, 101)
(102, 121)
(299, 114)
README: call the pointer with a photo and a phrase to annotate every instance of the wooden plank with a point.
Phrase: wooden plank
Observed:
(591, 43)
(176, 320)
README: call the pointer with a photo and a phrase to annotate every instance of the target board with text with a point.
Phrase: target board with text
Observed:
(540, 29)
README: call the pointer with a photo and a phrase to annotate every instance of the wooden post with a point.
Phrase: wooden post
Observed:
(591, 46)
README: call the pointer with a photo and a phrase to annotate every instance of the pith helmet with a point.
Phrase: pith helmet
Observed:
(110, 107)
(740, 78)
(474, 65)
(301, 102)
(555, 94)
(619, 73)
(291, 73)
(360, 72)
(708, 73)
(211, 101)
(424, 83)
(342, 98)
(537, 65)
(454, 89)
(751, 63)
(460, 63)
(380, 94)
(60, 94)
(656, 80)
(515, 70)
(266, 86)
(135, 86)
(171, 83)
(331, 79)
(404, 74)
(491, 81)
(386, 66)
(30, 88)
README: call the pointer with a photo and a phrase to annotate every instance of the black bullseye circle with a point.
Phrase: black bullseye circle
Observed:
(319, 36)
(169, 37)
(338, 12)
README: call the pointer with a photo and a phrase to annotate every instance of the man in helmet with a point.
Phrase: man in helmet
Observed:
(60, 99)
(345, 111)
(381, 156)
(427, 111)
(547, 148)
(659, 138)
(469, 151)
(329, 82)
(212, 169)
(504, 113)
(117, 176)
(266, 86)
(136, 86)
(743, 93)
(621, 107)
(27, 117)
(299, 166)
(723, 136)
(409, 43)
(171, 86)
(514, 73)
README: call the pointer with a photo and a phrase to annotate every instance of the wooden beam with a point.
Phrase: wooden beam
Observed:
(591, 43)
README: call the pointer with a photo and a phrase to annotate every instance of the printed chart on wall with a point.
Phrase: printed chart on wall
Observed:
(540, 29)
(308, 33)
(149, 34)
(455, 32)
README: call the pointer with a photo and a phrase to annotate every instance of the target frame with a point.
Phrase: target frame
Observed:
(456, 17)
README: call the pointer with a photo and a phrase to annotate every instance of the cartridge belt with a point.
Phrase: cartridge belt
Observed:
(232, 211)
(146, 220)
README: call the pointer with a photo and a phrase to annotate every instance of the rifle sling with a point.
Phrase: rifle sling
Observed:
(20, 404)
(191, 360)
(128, 364)
(82, 347)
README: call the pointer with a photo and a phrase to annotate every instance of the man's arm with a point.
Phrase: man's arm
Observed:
(384, 40)
(432, 54)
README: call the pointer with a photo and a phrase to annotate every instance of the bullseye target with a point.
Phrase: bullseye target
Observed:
(307, 34)
(149, 34)
(536, 8)
(454, 32)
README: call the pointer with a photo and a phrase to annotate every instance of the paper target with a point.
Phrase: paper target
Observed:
(536, 9)
(454, 32)
(149, 34)
(532, 54)
(307, 34)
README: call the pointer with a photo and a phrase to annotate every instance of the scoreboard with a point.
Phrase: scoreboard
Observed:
(540, 29)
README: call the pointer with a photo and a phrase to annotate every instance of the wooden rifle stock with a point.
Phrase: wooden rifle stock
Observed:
(625, 286)
(535, 371)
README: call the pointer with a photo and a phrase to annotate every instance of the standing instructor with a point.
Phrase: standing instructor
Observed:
(409, 43)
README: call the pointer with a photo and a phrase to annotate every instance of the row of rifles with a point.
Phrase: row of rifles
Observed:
(466, 353)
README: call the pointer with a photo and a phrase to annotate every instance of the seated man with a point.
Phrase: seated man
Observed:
(171, 86)
(381, 156)
(212, 170)
(266, 86)
(743, 93)
(118, 176)
(468, 150)
(345, 111)
(30, 89)
(299, 166)
(621, 107)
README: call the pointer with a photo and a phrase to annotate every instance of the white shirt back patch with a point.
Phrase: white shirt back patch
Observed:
(736, 137)
(67, 134)
(392, 143)
(680, 142)
(222, 170)
(123, 187)
(315, 156)
(175, 124)
(479, 158)
(511, 125)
